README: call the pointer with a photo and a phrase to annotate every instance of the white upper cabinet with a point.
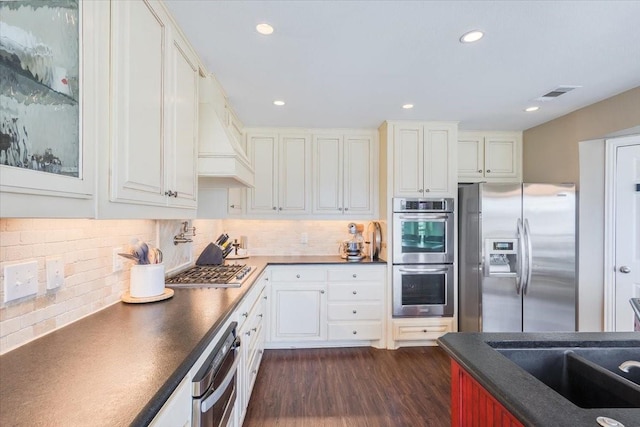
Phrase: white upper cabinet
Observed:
(489, 156)
(154, 109)
(424, 159)
(25, 192)
(282, 166)
(343, 174)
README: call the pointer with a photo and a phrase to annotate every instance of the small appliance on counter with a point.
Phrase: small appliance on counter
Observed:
(352, 249)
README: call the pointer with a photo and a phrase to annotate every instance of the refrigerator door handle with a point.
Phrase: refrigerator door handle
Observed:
(521, 265)
(527, 233)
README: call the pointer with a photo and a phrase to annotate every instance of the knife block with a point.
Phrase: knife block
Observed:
(146, 280)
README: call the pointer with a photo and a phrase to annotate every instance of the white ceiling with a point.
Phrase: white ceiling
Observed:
(355, 63)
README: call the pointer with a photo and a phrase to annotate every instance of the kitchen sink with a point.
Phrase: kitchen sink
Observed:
(587, 376)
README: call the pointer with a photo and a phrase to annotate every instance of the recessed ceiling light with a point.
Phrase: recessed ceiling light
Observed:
(530, 109)
(471, 36)
(407, 106)
(278, 103)
(264, 29)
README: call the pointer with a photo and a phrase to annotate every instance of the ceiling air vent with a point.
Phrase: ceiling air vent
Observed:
(560, 90)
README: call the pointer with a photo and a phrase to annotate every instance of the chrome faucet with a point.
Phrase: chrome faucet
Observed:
(625, 366)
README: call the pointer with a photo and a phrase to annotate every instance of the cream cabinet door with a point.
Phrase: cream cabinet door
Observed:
(439, 161)
(182, 124)
(139, 40)
(500, 156)
(358, 188)
(408, 161)
(343, 174)
(235, 200)
(294, 174)
(470, 156)
(298, 312)
(327, 174)
(263, 153)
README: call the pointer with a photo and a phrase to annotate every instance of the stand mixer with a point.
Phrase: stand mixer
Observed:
(352, 249)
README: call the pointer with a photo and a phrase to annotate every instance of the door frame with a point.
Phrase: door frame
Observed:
(611, 146)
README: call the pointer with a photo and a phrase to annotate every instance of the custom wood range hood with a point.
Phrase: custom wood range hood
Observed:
(221, 159)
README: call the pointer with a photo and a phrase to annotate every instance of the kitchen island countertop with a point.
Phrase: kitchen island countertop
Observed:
(119, 365)
(526, 397)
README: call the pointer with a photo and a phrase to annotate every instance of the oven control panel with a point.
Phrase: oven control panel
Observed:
(422, 205)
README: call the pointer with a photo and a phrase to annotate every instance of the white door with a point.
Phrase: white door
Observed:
(627, 231)
(358, 175)
(263, 153)
(327, 174)
(470, 156)
(500, 155)
(295, 174)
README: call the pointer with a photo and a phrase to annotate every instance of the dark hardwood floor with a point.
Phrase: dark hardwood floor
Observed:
(351, 387)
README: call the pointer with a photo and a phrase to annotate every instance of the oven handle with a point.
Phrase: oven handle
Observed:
(217, 394)
(424, 270)
(424, 216)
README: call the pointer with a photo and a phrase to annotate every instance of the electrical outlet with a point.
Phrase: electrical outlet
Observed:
(304, 238)
(55, 273)
(118, 261)
(20, 280)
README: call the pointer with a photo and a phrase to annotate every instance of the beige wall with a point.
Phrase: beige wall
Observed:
(550, 150)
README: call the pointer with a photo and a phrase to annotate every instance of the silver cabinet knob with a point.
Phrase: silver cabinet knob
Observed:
(488, 170)
(232, 206)
(355, 275)
(298, 276)
(355, 311)
(355, 332)
(624, 269)
(274, 208)
(480, 170)
(426, 190)
(245, 314)
(340, 209)
(355, 292)
(322, 292)
(346, 209)
(420, 190)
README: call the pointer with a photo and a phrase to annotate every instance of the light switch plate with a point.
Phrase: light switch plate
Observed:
(20, 280)
(118, 261)
(55, 273)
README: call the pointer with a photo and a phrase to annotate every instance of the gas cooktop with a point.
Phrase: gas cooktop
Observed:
(212, 276)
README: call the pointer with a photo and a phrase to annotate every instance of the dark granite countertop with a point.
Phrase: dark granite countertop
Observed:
(527, 398)
(118, 366)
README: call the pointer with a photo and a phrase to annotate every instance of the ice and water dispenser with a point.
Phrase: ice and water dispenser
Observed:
(501, 257)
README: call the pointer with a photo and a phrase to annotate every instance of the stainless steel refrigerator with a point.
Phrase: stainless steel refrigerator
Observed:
(517, 257)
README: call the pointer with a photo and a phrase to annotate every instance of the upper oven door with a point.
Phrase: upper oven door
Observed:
(423, 238)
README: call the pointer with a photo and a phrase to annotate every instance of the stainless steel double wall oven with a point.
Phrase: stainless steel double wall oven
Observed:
(423, 255)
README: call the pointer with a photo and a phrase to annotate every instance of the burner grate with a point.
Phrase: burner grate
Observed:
(218, 275)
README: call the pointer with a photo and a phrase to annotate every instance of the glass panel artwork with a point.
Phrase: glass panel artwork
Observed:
(39, 86)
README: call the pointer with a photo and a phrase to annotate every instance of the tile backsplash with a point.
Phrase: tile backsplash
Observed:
(86, 249)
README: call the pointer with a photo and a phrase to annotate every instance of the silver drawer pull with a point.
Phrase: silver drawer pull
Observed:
(254, 329)
(245, 314)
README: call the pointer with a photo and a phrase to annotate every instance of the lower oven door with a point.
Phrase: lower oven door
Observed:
(422, 290)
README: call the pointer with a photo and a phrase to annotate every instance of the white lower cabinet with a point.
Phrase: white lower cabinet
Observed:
(251, 315)
(332, 305)
(420, 331)
(298, 304)
(177, 410)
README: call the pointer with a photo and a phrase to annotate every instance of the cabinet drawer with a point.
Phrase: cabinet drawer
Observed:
(355, 331)
(299, 275)
(355, 292)
(419, 332)
(354, 311)
(357, 274)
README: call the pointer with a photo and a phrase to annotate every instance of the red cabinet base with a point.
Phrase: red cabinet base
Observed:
(473, 406)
